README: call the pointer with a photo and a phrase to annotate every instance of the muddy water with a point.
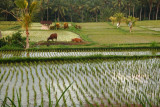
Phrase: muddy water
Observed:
(60, 54)
(117, 81)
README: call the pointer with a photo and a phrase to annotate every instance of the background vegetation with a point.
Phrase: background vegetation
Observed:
(85, 10)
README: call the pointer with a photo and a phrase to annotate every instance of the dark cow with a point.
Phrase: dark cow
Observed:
(52, 36)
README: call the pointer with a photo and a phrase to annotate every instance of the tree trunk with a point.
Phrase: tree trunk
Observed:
(157, 10)
(42, 11)
(6, 18)
(96, 17)
(27, 38)
(140, 18)
(58, 16)
(129, 11)
(82, 15)
(133, 11)
(145, 14)
(150, 9)
(47, 9)
(71, 18)
(28, 3)
(55, 18)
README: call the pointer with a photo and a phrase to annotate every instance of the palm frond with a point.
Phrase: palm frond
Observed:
(32, 7)
(22, 4)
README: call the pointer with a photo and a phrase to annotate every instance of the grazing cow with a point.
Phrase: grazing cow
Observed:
(77, 40)
(66, 25)
(57, 25)
(78, 27)
(52, 36)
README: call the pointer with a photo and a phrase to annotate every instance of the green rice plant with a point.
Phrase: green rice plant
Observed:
(1, 78)
(1, 86)
(35, 96)
(57, 102)
(13, 94)
(7, 76)
(143, 102)
(12, 75)
(32, 75)
(42, 72)
(6, 94)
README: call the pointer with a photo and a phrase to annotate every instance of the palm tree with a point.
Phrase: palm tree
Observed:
(60, 8)
(25, 16)
(113, 19)
(150, 7)
(158, 4)
(82, 5)
(95, 7)
(131, 22)
(119, 17)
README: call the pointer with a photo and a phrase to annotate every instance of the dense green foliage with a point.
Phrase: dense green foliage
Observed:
(16, 40)
(86, 10)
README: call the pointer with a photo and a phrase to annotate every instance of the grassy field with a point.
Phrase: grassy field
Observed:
(106, 33)
(100, 34)
(36, 34)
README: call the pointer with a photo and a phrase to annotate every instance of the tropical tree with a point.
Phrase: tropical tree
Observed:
(113, 19)
(119, 17)
(82, 4)
(25, 17)
(60, 8)
(158, 4)
(7, 5)
(150, 2)
(95, 8)
(131, 21)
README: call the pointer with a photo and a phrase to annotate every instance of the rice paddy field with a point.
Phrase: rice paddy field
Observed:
(99, 82)
(35, 32)
(52, 54)
(101, 34)
(106, 33)
(116, 82)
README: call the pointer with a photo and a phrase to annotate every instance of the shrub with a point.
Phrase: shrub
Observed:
(18, 40)
(154, 44)
(2, 42)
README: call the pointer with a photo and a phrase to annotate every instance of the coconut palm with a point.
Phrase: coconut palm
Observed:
(60, 8)
(158, 5)
(150, 2)
(131, 21)
(113, 19)
(26, 14)
(119, 17)
(95, 8)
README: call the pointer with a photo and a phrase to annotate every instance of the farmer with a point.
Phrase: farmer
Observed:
(130, 26)
(118, 25)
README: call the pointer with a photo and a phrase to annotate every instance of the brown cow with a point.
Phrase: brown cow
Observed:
(77, 40)
(78, 27)
(66, 25)
(52, 36)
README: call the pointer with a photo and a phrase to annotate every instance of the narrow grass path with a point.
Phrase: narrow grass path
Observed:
(106, 33)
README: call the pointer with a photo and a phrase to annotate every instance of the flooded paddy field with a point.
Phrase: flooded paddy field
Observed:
(97, 81)
(46, 54)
